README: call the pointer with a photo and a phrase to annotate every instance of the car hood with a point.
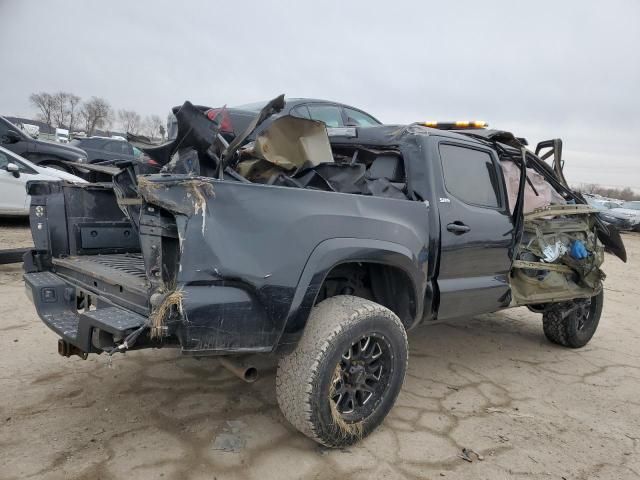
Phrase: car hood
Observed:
(48, 173)
(66, 151)
(624, 213)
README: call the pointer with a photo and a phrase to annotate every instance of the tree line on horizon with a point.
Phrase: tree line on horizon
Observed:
(69, 111)
(627, 194)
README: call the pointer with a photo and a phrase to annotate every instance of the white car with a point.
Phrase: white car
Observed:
(15, 172)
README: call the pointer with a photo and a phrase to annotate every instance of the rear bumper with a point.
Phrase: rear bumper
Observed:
(57, 305)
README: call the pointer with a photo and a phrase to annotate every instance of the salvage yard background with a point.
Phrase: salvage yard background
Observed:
(491, 384)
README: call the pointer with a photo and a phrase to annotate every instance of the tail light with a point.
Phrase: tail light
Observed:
(225, 124)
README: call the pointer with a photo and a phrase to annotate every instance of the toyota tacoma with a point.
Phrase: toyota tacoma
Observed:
(321, 251)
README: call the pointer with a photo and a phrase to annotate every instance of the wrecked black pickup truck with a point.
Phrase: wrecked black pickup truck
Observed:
(322, 252)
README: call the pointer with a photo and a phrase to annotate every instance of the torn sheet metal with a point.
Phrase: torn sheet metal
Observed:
(292, 143)
(274, 106)
(182, 194)
(195, 130)
(287, 145)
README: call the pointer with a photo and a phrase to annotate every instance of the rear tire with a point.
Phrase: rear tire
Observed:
(344, 376)
(575, 329)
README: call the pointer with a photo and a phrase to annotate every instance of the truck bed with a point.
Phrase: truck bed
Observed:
(113, 276)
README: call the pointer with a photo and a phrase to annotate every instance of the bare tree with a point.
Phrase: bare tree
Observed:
(625, 193)
(96, 113)
(44, 103)
(162, 130)
(152, 125)
(60, 110)
(73, 107)
(130, 121)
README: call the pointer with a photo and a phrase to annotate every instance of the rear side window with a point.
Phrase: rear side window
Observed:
(300, 111)
(119, 147)
(329, 114)
(470, 175)
(356, 118)
(88, 142)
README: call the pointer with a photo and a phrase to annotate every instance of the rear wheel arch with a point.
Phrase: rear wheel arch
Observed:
(382, 283)
(333, 253)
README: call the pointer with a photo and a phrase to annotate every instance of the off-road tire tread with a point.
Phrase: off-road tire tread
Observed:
(555, 328)
(298, 371)
(558, 329)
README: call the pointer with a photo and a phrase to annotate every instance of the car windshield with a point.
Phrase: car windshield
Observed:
(631, 205)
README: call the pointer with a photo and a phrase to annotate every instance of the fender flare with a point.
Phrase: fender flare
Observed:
(335, 251)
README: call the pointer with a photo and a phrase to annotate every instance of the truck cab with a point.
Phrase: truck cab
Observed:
(62, 135)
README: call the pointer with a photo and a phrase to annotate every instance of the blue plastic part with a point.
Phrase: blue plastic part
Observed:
(577, 250)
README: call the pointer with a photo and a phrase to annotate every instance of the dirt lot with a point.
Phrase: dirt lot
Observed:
(492, 384)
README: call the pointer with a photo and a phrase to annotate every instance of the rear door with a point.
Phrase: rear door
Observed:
(112, 150)
(92, 146)
(475, 229)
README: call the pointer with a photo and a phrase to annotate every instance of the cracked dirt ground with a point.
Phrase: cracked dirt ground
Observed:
(492, 384)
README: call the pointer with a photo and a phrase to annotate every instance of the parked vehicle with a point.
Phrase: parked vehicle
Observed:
(15, 172)
(31, 130)
(602, 203)
(621, 222)
(101, 149)
(48, 154)
(110, 150)
(62, 135)
(625, 216)
(234, 120)
(321, 251)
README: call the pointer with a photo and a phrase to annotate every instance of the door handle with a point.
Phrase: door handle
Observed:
(458, 228)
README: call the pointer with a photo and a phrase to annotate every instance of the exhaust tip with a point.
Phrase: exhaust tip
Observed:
(251, 374)
(244, 371)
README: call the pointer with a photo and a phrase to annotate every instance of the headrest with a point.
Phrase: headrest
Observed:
(387, 166)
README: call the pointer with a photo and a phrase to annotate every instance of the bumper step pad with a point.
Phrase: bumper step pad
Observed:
(55, 301)
(113, 319)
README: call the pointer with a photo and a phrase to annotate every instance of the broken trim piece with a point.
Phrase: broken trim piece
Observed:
(555, 210)
(187, 195)
(274, 106)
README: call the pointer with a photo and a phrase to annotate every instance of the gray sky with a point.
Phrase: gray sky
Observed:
(541, 69)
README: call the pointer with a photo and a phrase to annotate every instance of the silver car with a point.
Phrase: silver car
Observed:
(625, 217)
